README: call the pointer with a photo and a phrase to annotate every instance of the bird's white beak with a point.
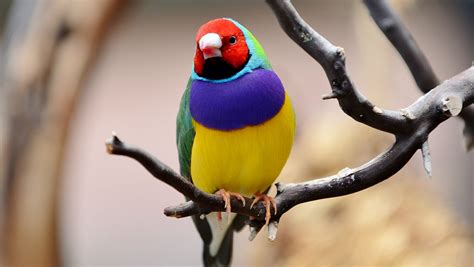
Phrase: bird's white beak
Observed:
(210, 45)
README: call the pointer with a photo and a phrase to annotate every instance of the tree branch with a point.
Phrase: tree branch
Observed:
(429, 113)
(332, 59)
(411, 127)
(396, 32)
(167, 175)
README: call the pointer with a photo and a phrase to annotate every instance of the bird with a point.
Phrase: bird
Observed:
(234, 130)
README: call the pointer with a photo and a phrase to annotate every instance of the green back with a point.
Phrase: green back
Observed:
(185, 134)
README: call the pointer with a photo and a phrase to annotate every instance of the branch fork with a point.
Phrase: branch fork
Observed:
(411, 126)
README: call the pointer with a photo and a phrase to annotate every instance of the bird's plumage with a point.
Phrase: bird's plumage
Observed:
(235, 125)
(245, 160)
(185, 133)
(249, 100)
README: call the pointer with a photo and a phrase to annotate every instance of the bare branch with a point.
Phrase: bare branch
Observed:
(411, 126)
(421, 70)
(329, 96)
(429, 114)
(332, 59)
(161, 171)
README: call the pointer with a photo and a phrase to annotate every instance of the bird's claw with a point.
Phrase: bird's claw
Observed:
(267, 200)
(226, 197)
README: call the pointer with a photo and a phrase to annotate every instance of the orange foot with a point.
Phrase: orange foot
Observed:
(266, 202)
(226, 197)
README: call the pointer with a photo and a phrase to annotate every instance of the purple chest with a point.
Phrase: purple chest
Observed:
(249, 100)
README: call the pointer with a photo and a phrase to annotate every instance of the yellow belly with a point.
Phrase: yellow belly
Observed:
(244, 161)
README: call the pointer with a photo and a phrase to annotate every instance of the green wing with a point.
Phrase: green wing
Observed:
(185, 134)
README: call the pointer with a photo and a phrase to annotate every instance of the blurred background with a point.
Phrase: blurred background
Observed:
(73, 71)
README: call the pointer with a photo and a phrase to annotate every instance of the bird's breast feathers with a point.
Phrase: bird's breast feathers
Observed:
(244, 133)
(248, 100)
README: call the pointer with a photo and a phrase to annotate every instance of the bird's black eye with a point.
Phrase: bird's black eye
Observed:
(233, 40)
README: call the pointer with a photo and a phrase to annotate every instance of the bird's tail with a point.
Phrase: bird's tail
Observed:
(220, 253)
(224, 254)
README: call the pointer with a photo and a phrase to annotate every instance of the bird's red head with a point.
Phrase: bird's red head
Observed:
(221, 49)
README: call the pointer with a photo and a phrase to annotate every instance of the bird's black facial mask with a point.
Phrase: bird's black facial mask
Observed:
(216, 68)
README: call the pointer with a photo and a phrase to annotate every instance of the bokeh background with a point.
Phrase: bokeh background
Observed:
(122, 66)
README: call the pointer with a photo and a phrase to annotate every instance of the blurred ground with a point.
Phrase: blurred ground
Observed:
(112, 208)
